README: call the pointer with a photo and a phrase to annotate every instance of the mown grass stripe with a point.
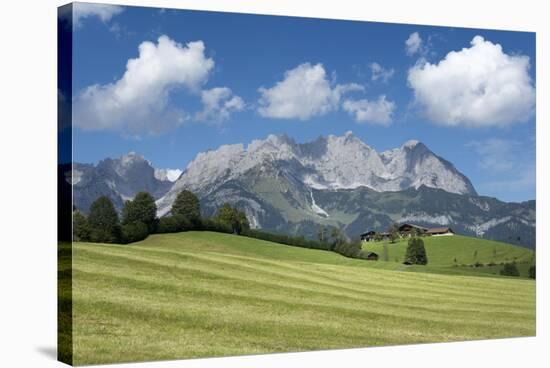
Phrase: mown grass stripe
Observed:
(205, 294)
(407, 284)
(395, 302)
(198, 291)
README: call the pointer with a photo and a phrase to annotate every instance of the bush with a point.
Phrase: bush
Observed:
(213, 225)
(509, 269)
(351, 250)
(416, 252)
(134, 231)
(532, 272)
(286, 239)
(98, 235)
(232, 217)
(174, 224)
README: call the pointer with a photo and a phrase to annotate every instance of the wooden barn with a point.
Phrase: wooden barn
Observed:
(371, 256)
(439, 231)
(407, 229)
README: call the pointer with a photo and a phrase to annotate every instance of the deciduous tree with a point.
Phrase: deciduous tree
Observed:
(141, 209)
(103, 221)
(187, 204)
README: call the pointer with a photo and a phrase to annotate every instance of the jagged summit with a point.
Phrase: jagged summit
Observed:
(331, 162)
(290, 187)
(411, 143)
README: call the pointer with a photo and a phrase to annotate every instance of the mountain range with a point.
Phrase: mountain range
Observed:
(119, 179)
(285, 186)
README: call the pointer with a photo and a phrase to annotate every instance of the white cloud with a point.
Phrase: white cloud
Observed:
(365, 111)
(168, 174)
(380, 73)
(218, 104)
(304, 92)
(413, 44)
(477, 86)
(86, 10)
(139, 101)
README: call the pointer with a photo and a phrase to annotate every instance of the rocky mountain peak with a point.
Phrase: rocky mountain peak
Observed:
(413, 143)
(332, 162)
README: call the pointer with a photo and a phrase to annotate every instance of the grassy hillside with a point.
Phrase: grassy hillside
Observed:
(443, 250)
(202, 294)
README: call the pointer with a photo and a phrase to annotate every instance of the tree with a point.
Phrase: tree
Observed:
(103, 221)
(232, 217)
(377, 236)
(322, 234)
(509, 269)
(394, 232)
(243, 222)
(416, 252)
(532, 272)
(81, 228)
(415, 232)
(141, 209)
(337, 237)
(187, 204)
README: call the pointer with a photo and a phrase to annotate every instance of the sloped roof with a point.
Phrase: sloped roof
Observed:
(439, 230)
(413, 225)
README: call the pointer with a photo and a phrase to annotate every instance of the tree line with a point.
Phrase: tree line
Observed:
(139, 219)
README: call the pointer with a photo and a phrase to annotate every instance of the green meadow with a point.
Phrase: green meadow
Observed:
(459, 254)
(202, 294)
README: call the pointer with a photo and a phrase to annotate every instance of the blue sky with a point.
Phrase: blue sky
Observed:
(243, 77)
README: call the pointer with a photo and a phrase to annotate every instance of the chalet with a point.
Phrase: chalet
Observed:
(372, 236)
(439, 231)
(368, 236)
(371, 256)
(407, 229)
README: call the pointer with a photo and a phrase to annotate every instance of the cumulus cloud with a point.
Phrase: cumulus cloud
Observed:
(218, 104)
(413, 44)
(379, 111)
(304, 92)
(477, 86)
(86, 10)
(380, 73)
(139, 101)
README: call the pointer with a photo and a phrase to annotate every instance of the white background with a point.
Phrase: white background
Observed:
(28, 180)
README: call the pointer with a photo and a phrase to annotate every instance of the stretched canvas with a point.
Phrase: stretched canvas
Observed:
(235, 184)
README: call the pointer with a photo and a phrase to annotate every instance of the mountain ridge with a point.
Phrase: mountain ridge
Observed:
(338, 181)
(332, 162)
(119, 179)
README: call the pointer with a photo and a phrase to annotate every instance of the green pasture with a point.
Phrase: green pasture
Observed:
(203, 294)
